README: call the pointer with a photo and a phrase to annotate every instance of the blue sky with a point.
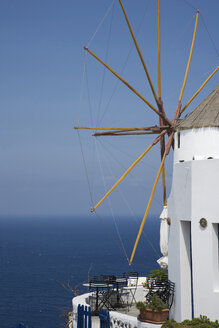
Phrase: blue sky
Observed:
(42, 60)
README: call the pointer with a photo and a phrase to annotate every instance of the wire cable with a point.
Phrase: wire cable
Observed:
(131, 156)
(111, 156)
(209, 34)
(110, 206)
(125, 64)
(88, 95)
(130, 209)
(85, 168)
(90, 192)
(104, 68)
(100, 24)
(202, 18)
(82, 88)
(190, 5)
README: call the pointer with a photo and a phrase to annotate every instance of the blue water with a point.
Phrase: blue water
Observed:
(38, 254)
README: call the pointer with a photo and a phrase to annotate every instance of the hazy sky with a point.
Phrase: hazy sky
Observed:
(41, 60)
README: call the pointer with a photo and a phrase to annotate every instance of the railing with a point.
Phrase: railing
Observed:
(117, 319)
(84, 317)
(104, 318)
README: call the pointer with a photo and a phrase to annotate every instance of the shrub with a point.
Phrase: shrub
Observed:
(158, 275)
(156, 304)
(140, 305)
(171, 324)
(202, 322)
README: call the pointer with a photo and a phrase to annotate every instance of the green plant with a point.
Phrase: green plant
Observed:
(155, 277)
(202, 322)
(171, 324)
(156, 304)
(159, 275)
(140, 305)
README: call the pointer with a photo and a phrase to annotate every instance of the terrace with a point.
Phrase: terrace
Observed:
(117, 296)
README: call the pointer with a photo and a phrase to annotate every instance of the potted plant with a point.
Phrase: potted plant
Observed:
(156, 277)
(154, 309)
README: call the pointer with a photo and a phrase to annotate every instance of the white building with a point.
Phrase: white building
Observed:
(193, 207)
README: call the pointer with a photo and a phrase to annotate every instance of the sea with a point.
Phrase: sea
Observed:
(44, 262)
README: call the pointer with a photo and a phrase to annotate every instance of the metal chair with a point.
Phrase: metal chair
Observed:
(164, 289)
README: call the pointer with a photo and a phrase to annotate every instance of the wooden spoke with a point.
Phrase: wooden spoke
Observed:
(147, 210)
(139, 52)
(190, 57)
(177, 114)
(121, 79)
(118, 133)
(169, 142)
(158, 51)
(146, 130)
(121, 128)
(162, 150)
(164, 187)
(197, 92)
(129, 169)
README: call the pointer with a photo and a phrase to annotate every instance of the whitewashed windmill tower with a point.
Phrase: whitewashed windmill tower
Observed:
(193, 207)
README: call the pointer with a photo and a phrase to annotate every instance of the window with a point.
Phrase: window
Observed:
(178, 139)
(217, 227)
(215, 256)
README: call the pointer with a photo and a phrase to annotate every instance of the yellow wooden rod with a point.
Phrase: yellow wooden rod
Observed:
(123, 176)
(162, 149)
(138, 50)
(106, 128)
(190, 57)
(162, 146)
(147, 210)
(126, 83)
(159, 92)
(197, 92)
(158, 51)
(164, 186)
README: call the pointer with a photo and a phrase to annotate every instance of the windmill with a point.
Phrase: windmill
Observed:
(166, 128)
(193, 209)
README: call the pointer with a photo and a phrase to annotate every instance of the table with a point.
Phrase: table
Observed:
(131, 290)
(100, 286)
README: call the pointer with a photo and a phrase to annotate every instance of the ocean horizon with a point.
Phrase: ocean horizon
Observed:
(43, 259)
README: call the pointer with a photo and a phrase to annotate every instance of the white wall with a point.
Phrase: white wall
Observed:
(197, 143)
(179, 209)
(195, 195)
(205, 200)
